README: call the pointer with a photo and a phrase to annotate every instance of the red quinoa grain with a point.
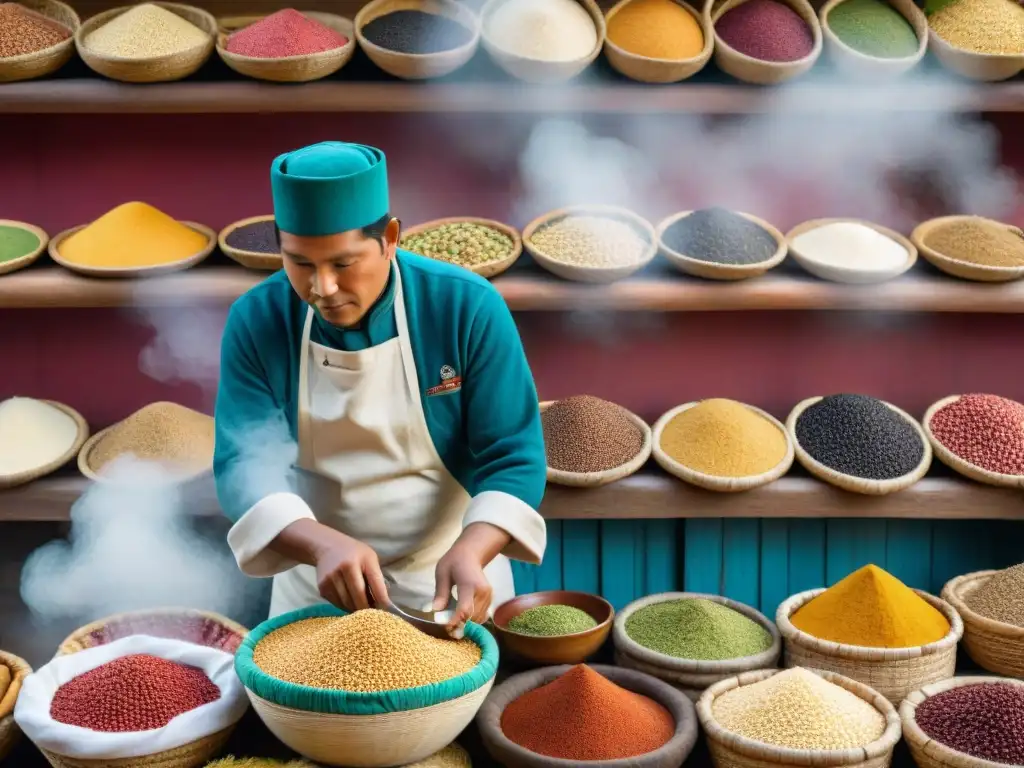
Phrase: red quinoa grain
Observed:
(23, 31)
(985, 430)
(133, 693)
(984, 720)
(285, 33)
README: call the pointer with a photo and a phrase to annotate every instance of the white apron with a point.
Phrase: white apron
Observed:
(362, 429)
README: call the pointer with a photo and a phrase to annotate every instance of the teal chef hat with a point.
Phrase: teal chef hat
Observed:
(327, 188)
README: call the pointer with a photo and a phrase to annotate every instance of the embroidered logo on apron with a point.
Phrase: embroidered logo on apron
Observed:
(450, 382)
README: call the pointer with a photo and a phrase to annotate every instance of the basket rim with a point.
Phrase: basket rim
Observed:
(459, 16)
(714, 15)
(170, 612)
(781, 250)
(69, 41)
(952, 594)
(812, 224)
(53, 248)
(705, 52)
(917, 55)
(953, 460)
(81, 436)
(922, 230)
(113, 13)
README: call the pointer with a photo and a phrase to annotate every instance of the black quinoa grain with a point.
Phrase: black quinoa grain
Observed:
(416, 32)
(721, 237)
(985, 720)
(258, 237)
(859, 436)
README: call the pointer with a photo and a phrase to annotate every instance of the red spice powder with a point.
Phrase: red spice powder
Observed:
(285, 33)
(133, 693)
(584, 716)
(767, 30)
(986, 430)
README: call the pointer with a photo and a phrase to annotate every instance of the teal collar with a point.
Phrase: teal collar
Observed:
(376, 327)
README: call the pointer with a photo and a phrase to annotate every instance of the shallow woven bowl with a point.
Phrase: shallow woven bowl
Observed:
(993, 645)
(983, 67)
(561, 649)
(595, 479)
(419, 66)
(491, 268)
(861, 65)
(893, 672)
(955, 267)
(845, 274)
(154, 69)
(134, 272)
(712, 270)
(193, 755)
(249, 259)
(10, 481)
(755, 71)
(541, 71)
(644, 69)
(692, 676)
(730, 750)
(288, 69)
(29, 66)
(23, 261)
(159, 622)
(10, 733)
(849, 482)
(510, 754)
(965, 468)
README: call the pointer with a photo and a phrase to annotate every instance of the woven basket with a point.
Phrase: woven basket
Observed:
(492, 268)
(993, 645)
(711, 270)
(750, 70)
(197, 753)
(730, 750)
(861, 65)
(859, 484)
(23, 261)
(419, 66)
(963, 269)
(155, 69)
(134, 272)
(288, 69)
(644, 69)
(965, 468)
(894, 672)
(9, 730)
(844, 274)
(191, 625)
(29, 66)
(983, 67)
(10, 481)
(267, 262)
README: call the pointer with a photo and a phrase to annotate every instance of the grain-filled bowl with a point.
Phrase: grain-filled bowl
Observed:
(191, 625)
(951, 407)
(720, 259)
(646, 69)
(925, 234)
(34, 245)
(28, 66)
(756, 71)
(14, 671)
(820, 258)
(994, 645)
(483, 246)
(382, 725)
(566, 642)
(860, 64)
(982, 67)
(74, 445)
(252, 243)
(134, 271)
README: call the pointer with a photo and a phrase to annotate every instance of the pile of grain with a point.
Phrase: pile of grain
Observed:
(985, 721)
(176, 437)
(984, 430)
(718, 236)
(587, 434)
(146, 31)
(982, 26)
(24, 31)
(979, 241)
(697, 629)
(590, 241)
(546, 30)
(33, 434)
(1001, 598)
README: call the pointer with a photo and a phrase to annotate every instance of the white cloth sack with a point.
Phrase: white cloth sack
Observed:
(32, 712)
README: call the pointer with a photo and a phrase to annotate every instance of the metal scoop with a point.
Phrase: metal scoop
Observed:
(437, 628)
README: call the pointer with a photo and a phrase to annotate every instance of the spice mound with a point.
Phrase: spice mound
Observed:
(257, 237)
(25, 31)
(977, 241)
(367, 651)
(697, 629)
(144, 32)
(15, 242)
(284, 33)
(984, 430)
(417, 32)
(871, 608)
(657, 29)
(552, 621)
(766, 29)
(874, 28)
(849, 245)
(193, 629)
(569, 718)
(545, 30)
(800, 710)
(587, 434)
(982, 26)
(139, 692)
(177, 437)
(590, 241)
(985, 720)
(860, 436)
(1001, 597)
(718, 236)
(33, 434)
(465, 243)
(724, 438)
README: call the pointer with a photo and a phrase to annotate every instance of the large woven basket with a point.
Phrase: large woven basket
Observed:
(9, 731)
(993, 645)
(894, 672)
(730, 750)
(29, 66)
(197, 753)
(194, 626)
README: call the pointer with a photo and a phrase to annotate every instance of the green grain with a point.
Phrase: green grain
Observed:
(16, 242)
(552, 621)
(874, 28)
(697, 629)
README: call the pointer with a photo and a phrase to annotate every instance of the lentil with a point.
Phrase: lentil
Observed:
(569, 719)
(552, 621)
(24, 31)
(724, 438)
(874, 28)
(978, 241)
(465, 243)
(984, 430)
(193, 629)
(985, 720)
(33, 434)
(417, 32)
(860, 436)
(800, 710)
(871, 608)
(545, 30)
(1001, 598)
(368, 651)
(697, 629)
(144, 32)
(587, 434)
(139, 692)
(850, 245)
(657, 29)
(982, 26)
(15, 242)
(177, 437)
(258, 237)
(590, 241)
(284, 33)
(719, 236)
(766, 30)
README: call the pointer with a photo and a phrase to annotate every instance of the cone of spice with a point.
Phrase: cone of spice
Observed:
(585, 435)
(283, 34)
(145, 31)
(23, 31)
(984, 431)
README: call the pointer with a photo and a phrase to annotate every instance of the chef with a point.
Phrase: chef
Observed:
(378, 436)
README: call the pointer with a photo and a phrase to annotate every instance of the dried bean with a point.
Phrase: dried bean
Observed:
(984, 720)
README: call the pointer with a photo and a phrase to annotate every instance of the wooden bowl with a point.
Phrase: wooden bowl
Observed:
(250, 259)
(859, 484)
(288, 69)
(29, 66)
(10, 481)
(983, 67)
(644, 69)
(756, 71)
(993, 645)
(561, 649)
(419, 66)
(161, 269)
(861, 65)
(955, 267)
(965, 468)
(508, 753)
(541, 71)
(714, 482)
(596, 479)
(712, 270)
(845, 274)
(586, 274)
(154, 69)
(491, 268)
(23, 261)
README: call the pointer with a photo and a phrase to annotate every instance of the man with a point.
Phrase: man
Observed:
(378, 433)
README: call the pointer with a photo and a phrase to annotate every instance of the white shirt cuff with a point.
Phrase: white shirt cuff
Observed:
(518, 519)
(252, 534)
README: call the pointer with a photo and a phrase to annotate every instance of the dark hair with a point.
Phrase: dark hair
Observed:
(374, 231)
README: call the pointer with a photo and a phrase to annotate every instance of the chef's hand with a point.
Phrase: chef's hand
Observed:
(463, 568)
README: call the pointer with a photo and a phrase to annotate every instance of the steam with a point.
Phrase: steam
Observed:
(185, 346)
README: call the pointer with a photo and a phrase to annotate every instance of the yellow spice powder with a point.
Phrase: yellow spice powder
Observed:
(657, 29)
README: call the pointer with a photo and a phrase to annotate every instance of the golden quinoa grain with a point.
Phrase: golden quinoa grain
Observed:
(176, 436)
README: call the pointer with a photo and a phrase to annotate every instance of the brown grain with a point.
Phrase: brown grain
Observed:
(24, 31)
(587, 434)
(171, 434)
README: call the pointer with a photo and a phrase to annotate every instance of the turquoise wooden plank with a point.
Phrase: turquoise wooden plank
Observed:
(525, 577)
(661, 571)
(852, 544)
(774, 575)
(617, 561)
(741, 559)
(702, 556)
(806, 555)
(549, 574)
(1009, 543)
(958, 547)
(581, 547)
(908, 553)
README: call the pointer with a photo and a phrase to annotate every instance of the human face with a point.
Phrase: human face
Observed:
(341, 275)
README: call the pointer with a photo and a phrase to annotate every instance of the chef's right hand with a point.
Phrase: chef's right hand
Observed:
(348, 573)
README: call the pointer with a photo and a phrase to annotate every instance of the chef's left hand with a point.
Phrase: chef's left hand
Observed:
(463, 568)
